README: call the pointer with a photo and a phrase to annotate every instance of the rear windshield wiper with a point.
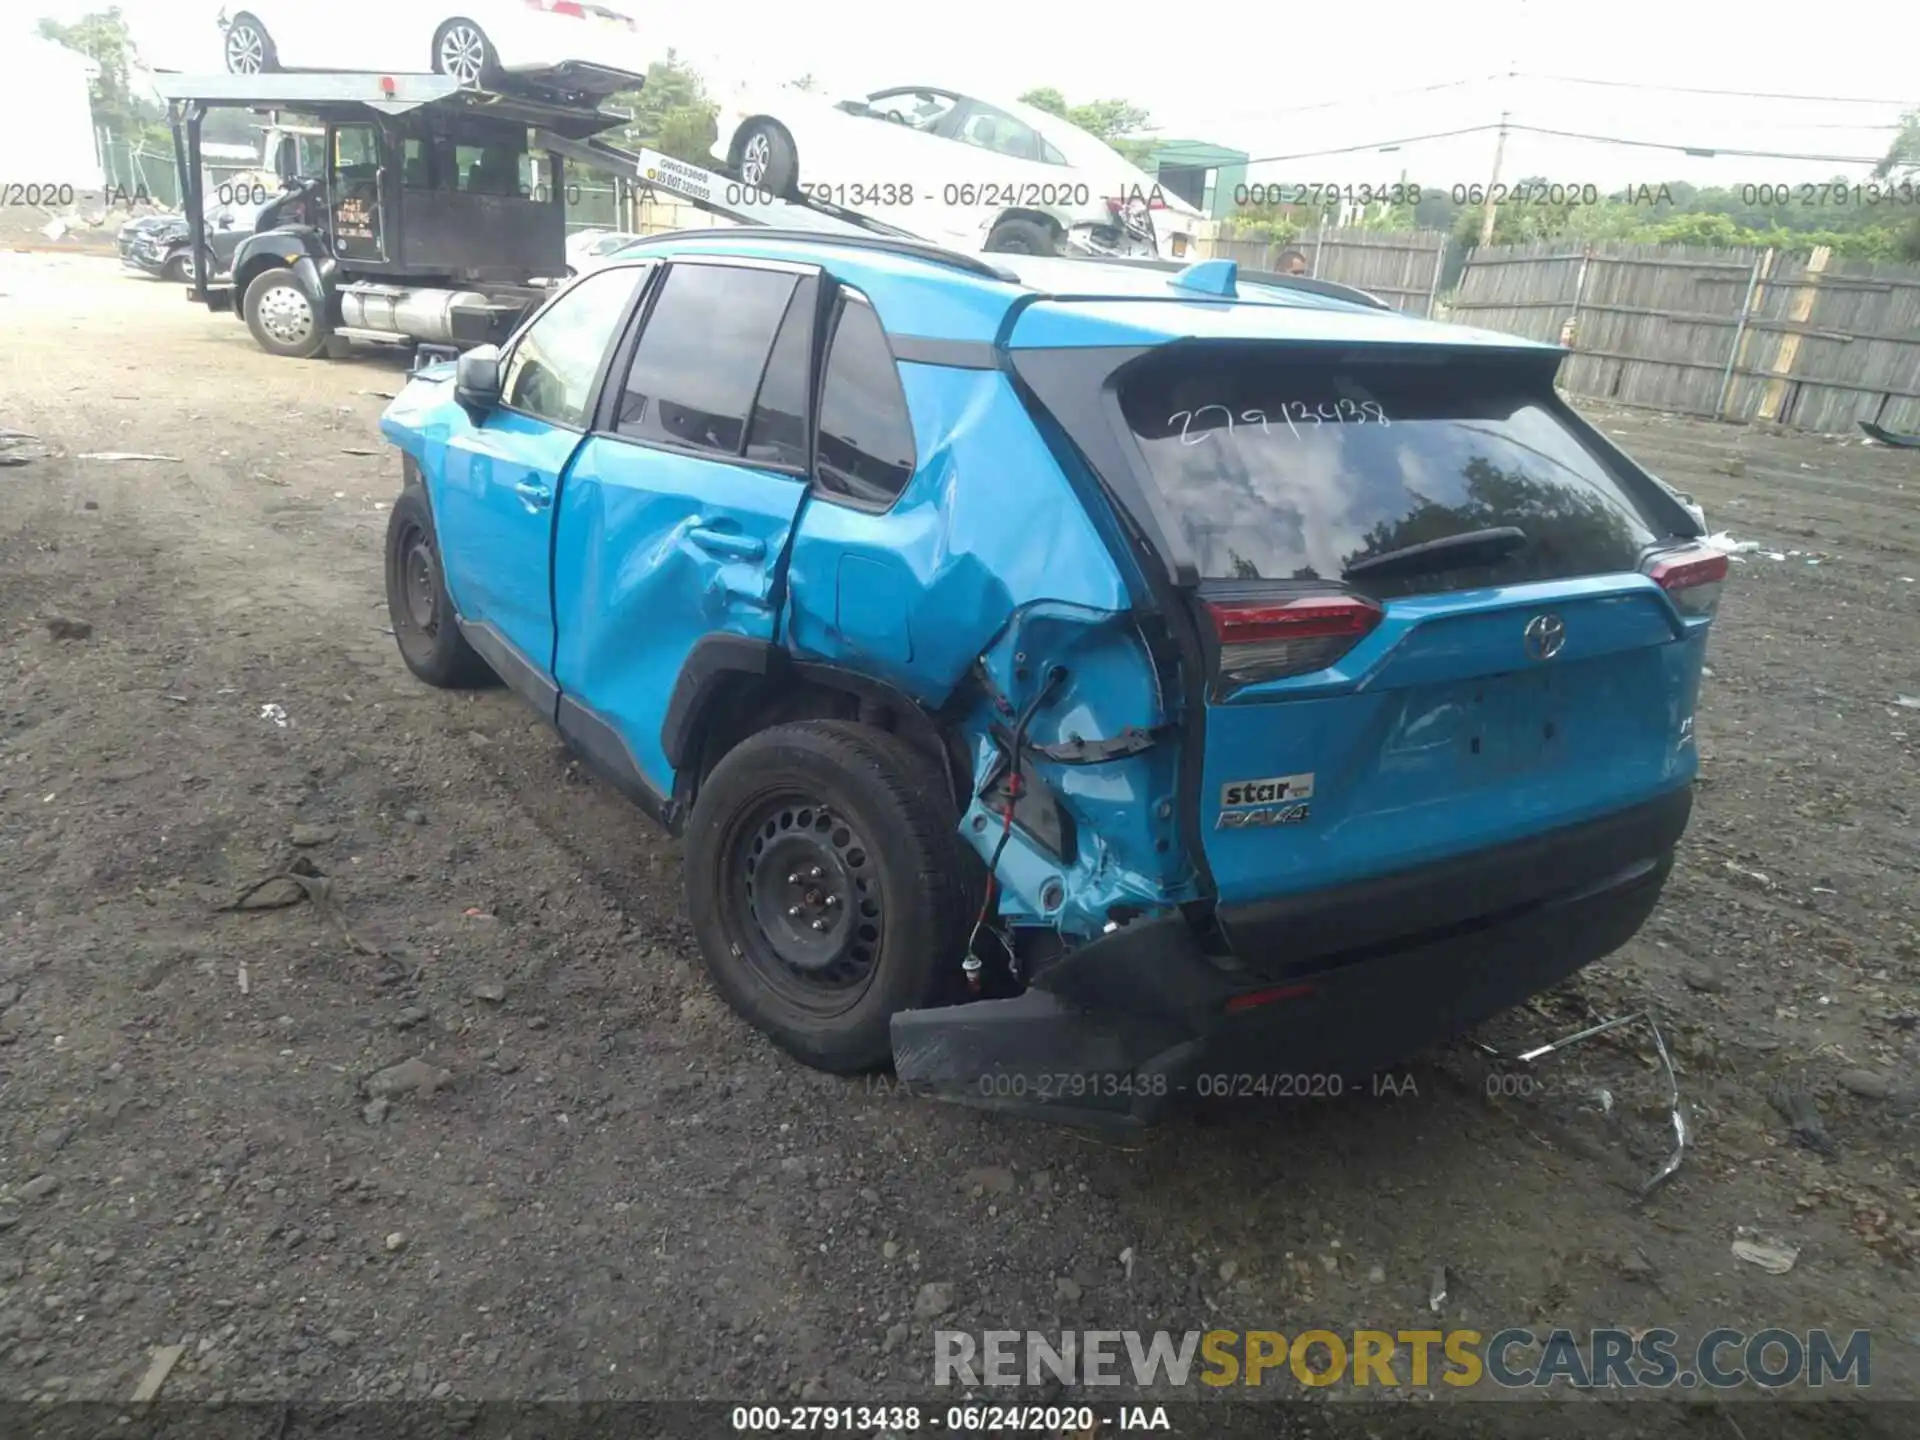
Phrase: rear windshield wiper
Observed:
(1451, 552)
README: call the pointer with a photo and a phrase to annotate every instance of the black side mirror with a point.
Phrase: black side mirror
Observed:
(286, 157)
(476, 380)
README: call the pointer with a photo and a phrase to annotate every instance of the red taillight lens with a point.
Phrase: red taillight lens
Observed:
(1692, 578)
(560, 7)
(1254, 999)
(1269, 639)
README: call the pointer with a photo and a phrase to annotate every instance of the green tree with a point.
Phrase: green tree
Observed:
(672, 113)
(102, 36)
(1120, 124)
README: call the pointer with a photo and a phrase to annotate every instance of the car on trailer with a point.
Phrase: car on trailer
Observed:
(1072, 682)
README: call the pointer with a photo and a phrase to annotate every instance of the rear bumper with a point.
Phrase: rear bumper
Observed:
(1128, 1028)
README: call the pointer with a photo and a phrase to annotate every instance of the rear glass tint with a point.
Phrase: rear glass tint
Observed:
(1296, 468)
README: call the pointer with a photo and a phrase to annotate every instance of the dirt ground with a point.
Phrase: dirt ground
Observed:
(620, 1190)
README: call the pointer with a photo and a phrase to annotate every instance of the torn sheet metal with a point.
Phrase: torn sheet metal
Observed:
(1682, 1132)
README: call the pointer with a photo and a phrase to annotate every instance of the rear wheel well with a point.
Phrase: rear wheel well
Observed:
(1022, 217)
(743, 704)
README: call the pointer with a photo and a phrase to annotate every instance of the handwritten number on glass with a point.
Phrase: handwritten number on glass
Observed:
(1332, 412)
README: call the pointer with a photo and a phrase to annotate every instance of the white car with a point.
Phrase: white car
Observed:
(973, 173)
(477, 42)
(588, 249)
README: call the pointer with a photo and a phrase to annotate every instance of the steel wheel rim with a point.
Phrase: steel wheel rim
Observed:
(463, 54)
(756, 158)
(418, 573)
(803, 886)
(286, 315)
(246, 50)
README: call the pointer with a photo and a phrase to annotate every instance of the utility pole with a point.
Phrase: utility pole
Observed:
(1488, 209)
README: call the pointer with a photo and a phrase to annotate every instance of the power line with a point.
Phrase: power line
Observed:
(1707, 152)
(1350, 101)
(1735, 94)
(1698, 151)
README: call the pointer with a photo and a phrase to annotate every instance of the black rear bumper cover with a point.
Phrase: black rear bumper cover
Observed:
(1128, 1027)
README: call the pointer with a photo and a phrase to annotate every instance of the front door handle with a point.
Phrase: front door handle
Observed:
(534, 494)
(723, 542)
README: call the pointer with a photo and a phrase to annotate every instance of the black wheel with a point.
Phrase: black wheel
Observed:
(423, 620)
(283, 317)
(1022, 237)
(828, 887)
(249, 49)
(179, 267)
(766, 158)
(461, 51)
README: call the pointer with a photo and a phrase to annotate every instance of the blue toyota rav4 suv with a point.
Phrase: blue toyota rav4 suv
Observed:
(1069, 678)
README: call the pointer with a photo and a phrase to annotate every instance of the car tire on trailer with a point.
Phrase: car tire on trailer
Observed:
(283, 317)
(765, 157)
(461, 51)
(179, 268)
(424, 625)
(248, 48)
(1015, 236)
(829, 888)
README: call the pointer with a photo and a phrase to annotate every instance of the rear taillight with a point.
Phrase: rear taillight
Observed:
(1271, 639)
(560, 7)
(1692, 578)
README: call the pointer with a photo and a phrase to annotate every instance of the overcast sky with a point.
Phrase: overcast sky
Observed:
(1242, 74)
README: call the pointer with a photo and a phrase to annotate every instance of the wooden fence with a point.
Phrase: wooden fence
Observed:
(1402, 267)
(1806, 341)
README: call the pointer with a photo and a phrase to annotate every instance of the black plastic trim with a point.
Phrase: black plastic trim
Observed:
(601, 746)
(954, 354)
(890, 244)
(712, 661)
(522, 676)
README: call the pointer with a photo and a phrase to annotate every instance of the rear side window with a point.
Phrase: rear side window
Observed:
(778, 434)
(700, 358)
(866, 438)
(1293, 468)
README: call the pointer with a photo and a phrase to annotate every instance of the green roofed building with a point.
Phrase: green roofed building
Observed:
(1207, 176)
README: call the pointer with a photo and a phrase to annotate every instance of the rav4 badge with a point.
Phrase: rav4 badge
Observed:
(1289, 814)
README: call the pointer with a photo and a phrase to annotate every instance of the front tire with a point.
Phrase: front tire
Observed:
(1022, 237)
(767, 160)
(178, 269)
(461, 51)
(248, 48)
(424, 624)
(283, 317)
(828, 887)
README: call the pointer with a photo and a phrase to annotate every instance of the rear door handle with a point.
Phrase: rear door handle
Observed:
(724, 542)
(534, 494)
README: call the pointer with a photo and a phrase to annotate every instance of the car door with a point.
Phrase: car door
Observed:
(674, 521)
(494, 504)
(995, 160)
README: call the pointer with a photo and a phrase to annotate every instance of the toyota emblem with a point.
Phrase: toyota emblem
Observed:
(1546, 636)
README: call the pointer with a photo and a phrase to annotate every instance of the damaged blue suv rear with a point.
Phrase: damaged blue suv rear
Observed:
(1068, 678)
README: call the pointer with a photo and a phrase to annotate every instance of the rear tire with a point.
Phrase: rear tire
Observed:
(424, 624)
(461, 51)
(1015, 236)
(828, 887)
(766, 159)
(248, 48)
(283, 317)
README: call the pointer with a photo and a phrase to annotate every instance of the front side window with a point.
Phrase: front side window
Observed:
(550, 373)
(698, 365)
(921, 109)
(866, 436)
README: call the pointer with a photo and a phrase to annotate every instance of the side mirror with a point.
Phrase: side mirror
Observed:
(286, 157)
(476, 380)
(225, 222)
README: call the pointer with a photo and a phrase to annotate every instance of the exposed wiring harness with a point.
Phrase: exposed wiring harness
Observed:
(1015, 786)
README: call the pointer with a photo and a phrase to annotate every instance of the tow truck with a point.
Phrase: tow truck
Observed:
(439, 222)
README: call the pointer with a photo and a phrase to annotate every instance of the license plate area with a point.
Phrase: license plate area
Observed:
(1513, 725)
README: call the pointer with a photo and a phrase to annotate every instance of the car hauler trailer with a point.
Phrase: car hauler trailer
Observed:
(430, 225)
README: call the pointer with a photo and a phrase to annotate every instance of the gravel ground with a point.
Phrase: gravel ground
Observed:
(593, 1182)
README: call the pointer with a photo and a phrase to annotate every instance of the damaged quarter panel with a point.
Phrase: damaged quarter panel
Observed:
(989, 559)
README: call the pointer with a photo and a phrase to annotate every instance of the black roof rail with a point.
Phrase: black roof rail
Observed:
(1307, 284)
(887, 244)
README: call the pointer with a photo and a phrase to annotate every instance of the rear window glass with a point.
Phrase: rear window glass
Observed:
(1296, 469)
